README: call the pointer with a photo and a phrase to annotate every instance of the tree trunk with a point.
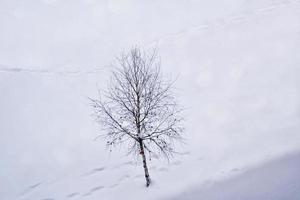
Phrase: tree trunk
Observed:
(147, 176)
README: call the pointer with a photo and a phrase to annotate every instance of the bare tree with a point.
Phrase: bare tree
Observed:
(139, 109)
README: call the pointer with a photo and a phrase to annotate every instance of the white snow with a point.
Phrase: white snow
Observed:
(274, 180)
(237, 65)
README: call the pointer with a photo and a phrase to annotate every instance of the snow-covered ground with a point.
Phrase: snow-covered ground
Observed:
(237, 65)
(276, 180)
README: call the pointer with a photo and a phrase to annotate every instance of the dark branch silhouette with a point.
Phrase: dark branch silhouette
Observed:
(139, 109)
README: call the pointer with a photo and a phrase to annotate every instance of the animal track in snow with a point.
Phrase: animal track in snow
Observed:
(99, 169)
(95, 171)
(201, 27)
(35, 185)
(267, 9)
(22, 69)
(113, 186)
(32, 187)
(129, 163)
(221, 22)
(72, 195)
(237, 19)
(93, 190)
(235, 170)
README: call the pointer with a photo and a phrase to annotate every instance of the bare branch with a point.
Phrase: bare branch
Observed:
(139, 107)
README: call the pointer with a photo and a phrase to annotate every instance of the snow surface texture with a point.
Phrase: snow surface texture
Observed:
(238, 69)
(276, 180)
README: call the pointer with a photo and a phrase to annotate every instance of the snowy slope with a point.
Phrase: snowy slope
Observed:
(237, 64)
(274, 180)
